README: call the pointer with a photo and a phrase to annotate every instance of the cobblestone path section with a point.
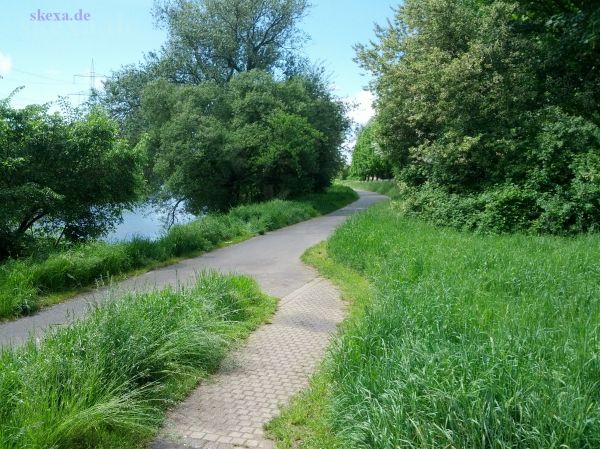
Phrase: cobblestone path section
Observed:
(229, 411)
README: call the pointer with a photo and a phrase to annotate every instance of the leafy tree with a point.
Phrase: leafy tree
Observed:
(289, 162)
(209, 40)
(220, 145)
(122, 94)
(476, 97)
(215, 39)
(70, 176)
(367, 158)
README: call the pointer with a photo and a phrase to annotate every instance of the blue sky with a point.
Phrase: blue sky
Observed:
(46, 56)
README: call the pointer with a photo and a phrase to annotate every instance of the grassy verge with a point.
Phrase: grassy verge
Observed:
(105, 382)
(467, 341)
(305, 422)
(25, 285)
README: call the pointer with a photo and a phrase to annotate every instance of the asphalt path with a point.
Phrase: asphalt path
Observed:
(272, 259)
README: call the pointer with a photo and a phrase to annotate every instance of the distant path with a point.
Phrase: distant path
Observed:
(273, 260)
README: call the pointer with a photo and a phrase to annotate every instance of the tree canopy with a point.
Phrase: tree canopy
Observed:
(368, 160)
(62, 174)
(254, 138)
(496, 102)
(209, 40)
(212, 40)
(228, 111)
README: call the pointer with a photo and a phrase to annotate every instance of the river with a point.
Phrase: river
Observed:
(144, 221)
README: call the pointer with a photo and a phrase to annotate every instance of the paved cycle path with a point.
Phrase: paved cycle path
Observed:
(272, 259)
(229, 410)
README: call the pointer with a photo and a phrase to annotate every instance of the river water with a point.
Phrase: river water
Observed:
(144, 221)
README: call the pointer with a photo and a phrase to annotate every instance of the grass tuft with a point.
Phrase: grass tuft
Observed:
(106, 381)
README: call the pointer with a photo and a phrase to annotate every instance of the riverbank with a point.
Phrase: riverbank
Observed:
(28, 285)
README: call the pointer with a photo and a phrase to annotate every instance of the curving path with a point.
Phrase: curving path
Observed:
(272, 259)
(230, 410)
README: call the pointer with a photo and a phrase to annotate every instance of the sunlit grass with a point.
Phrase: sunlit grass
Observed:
(105, 382)
(467, 341)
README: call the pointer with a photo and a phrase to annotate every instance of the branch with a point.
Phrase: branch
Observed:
(29, 222)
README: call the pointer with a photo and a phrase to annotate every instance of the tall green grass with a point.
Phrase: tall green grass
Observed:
(105, 382)
(469, 341)
(23, 283)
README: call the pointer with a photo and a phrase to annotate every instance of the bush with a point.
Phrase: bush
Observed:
(508, 209)
(503, 209)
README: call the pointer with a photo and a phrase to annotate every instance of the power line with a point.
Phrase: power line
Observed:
(92, 76)
(61, 83)
(37, 75)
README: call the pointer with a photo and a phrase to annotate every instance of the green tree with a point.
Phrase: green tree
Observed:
(215, 39)
(251, 139)
(122, 95)
(493, 96)
(70, 176)
(368, 159)
(209, 40)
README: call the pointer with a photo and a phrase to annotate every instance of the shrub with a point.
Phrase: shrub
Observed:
(508, 209)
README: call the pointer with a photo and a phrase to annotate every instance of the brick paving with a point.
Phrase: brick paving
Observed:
(230, 410)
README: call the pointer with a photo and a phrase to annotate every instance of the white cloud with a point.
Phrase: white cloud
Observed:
(362, 107)
(5, 64)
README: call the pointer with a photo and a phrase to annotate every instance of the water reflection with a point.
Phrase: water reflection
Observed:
(145, 221)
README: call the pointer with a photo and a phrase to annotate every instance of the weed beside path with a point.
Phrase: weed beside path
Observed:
(464, 341)
(26, 285)
(105, 382)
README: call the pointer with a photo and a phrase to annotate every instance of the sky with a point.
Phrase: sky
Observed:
(53, 58)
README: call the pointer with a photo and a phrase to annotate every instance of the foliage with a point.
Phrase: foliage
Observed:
(67, 175)
(252, 139)
(228, 112)
(121, 96)
(494, 95)
(466, 341)
(25, 282)
(208, 40)
(106, 381)
(388, 188)
(215, 39)
(368, 160)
